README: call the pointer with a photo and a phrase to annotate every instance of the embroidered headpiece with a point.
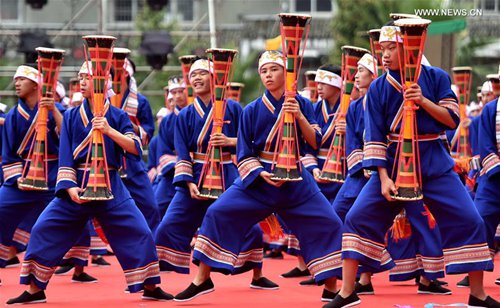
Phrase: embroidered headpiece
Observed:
(271, 56)
(176, 83)
(390, 34)
(27, 72)
(329, 78)
(200, 64)
(367, 61)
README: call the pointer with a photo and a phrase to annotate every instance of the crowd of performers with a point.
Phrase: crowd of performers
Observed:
(160, 219)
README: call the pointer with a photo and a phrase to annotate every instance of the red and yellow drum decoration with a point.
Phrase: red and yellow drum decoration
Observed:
(311, 85)
(99, 48)
(211, 184)
(286, 159)
(495, 83)
(234, 91)
(376, 52)
(74, 86)
(335, 167)
(35, 173)
(186, 62)
(120, 77)
(407, 161)
(462, 78)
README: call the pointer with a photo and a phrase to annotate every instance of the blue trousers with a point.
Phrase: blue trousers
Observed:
(408, 264)
(348, 193)
(89, 243)
(23, 230)
(461, 228)
(142, 192)
(488, 204)
(313, 222)
(63, 222)
(164, 193)
(16, 206)
(183, 217)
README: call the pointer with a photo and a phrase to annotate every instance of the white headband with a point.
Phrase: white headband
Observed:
(176, 83)
(86, 68)
(390, 34)
(162, 112)
(473, 107)
(128, 67)
(455, 90)
(170, 96)
(77, 97)
(27, 72)
(487, 87)
(271, 56)
(368, 62)
(3, 107)
(200, 64)
(60, 90)
(328, 78)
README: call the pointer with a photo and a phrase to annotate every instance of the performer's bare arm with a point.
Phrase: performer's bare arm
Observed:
(291, 105)
(441, 114)
(126, 143)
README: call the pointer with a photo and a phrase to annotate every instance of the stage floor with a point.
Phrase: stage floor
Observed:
(230, 291)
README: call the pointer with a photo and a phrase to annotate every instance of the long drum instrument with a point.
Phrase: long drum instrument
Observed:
(186, 62)
(376, 52)
(286, 164)
(495, 83)
(120, 77)
(234, 91)
(311, 85)
(99, 48)
(74, 86)
(211, 184)
(335, 167)
(407, 162)
(398, 16)
(35, 173)
(462, 78)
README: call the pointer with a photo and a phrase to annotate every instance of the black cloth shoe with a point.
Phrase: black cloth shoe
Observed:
(340, 302)
(441, 282)
(63, 269)
(488, 302)
(328, 296)
(27, 298)
(296, 272)
(83, 278)
(157, 295)
(264, 284)
(12, 262)
(497, 281)
(193, 291)
(100, 262)
(366, 289)
(274, 254)
(128, 291)
(309, 282)
(464, 283)
(433, 288)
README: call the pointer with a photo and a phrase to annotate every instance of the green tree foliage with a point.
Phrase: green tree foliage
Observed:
(354, 18)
